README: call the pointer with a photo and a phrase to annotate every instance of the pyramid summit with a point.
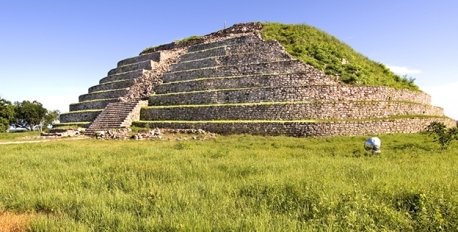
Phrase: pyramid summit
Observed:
(256, 78)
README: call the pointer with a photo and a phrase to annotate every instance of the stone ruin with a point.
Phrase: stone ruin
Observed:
(232, 81)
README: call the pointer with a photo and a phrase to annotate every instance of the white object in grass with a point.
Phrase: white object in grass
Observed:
(373, 144)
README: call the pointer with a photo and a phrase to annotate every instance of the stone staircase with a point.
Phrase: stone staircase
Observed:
(111, 89)
(116, 98)
(116, 115)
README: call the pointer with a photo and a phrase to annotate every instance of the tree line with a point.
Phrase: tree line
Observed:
(30, 115)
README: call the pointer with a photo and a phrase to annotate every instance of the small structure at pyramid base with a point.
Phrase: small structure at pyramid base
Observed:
(232, 81)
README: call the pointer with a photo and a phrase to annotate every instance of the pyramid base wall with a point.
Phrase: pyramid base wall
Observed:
(304, 129)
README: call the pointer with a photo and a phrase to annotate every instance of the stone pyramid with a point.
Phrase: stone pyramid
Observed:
(233, 81)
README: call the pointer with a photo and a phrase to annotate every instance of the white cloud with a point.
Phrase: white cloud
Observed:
(401, 70)
(445, 96)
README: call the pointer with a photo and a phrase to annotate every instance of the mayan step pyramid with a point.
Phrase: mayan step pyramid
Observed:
(234, 81)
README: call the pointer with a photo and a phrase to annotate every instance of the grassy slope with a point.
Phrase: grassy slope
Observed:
(232, 183)
(327, 53)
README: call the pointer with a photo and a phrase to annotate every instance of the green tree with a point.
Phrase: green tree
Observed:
(6, 114)
(29, 114)
(50, 117)
(442, 135)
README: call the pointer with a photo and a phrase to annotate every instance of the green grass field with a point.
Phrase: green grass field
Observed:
(233, 183)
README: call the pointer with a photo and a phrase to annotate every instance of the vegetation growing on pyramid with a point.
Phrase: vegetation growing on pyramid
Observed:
(327, 53)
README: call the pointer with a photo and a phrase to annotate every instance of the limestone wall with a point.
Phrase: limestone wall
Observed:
(276, 67)
(155, 56)
(309, 77)
(300, 129)
(115, 93)
(290, 94)
(78, 116)
(290, 111)
(112, 85)
(148, 64)
(97, 104)
(123, 76)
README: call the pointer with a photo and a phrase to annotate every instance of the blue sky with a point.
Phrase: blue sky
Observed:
(52, 51)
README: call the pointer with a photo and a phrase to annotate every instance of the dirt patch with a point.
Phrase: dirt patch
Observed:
(12, 222)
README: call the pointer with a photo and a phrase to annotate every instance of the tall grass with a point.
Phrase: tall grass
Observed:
(327, 53)
(232, 183)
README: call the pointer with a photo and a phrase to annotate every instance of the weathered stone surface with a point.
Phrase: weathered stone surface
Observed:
(407, 125)
(114, 93)
(290, 94)
(247, 81)
(71, 125)
(265, 48)
(190, 56)
(143, 86)
(147, 65)
(155, 56)
(92, 105)
(236, 59)
(79, 116)
(290, 111)
(278, 67)
(123, 76)
(112, 85)
(226, 42)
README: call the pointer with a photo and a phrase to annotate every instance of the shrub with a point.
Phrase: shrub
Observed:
(190, 38)
(442, 135)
